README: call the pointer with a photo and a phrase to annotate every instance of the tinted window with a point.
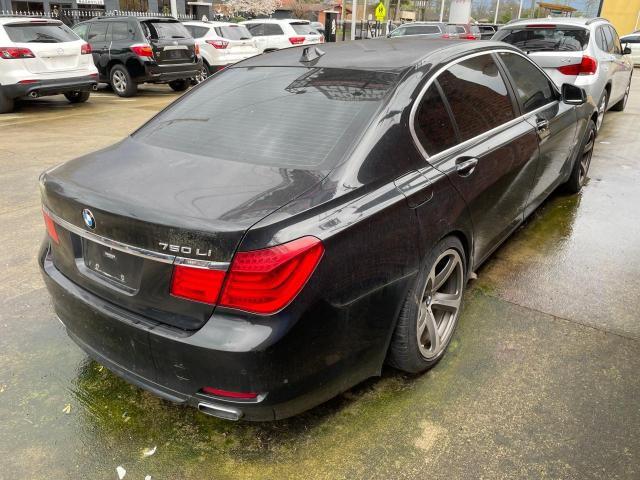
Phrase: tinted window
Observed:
(268, 115)
(304, 29)
(162, 29)
(422, 30)
(531, 85)
(197, 32)
(617, 48)
(233, 32)
(486, 29)
(81, 30)
(545, 39)
(608, 38)
(120, 31)
(600, 40)
(272, 29)
(399, 32)
(98, 32)
(460, 29)
(433, 124)
(40, 33)
(477, 95)
(631, 39)
(256, 29)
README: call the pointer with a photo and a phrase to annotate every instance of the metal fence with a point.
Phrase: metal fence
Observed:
(71, 16)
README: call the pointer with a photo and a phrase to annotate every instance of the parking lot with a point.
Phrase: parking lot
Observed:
(541, 379)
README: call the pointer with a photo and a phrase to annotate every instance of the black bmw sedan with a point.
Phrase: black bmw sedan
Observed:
(280, 232)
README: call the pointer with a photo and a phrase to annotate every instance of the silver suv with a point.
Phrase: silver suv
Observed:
(584, 52)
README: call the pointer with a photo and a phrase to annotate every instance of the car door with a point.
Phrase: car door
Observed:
(553, 120)
(257, 31)
(121, 34)
(97, 37)
(490, 157)
(608, 62)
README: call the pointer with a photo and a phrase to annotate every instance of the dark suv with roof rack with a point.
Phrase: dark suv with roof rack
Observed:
(131, 50)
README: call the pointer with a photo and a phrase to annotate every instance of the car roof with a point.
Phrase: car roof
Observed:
(385, 54)
(276, 20)
(579, 21)
(200, 23)
(5, 20)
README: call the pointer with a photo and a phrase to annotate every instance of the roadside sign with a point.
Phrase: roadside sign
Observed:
(381, 12)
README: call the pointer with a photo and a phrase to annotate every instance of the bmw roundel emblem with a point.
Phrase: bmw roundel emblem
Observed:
(88, 218)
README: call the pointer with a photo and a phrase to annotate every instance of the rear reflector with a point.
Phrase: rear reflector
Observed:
(587, 66)
(196, 48)
(27, 82)
(219, 44)
(226, 393)
(142, 50)
(10, 53)
(265, 281)
(85, 49)
(296, 40)
(199, 284)
(51, 227)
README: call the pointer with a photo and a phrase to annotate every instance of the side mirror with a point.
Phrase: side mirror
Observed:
(626, 50)
(573, 95)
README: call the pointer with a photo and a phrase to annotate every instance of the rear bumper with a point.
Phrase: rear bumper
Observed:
(228, 352)
(154, 73)
(42, 88)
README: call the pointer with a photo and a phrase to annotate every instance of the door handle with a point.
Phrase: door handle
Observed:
(542, 124)
(466, 166)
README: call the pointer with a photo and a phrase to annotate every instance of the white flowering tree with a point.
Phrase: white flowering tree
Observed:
(253, 7)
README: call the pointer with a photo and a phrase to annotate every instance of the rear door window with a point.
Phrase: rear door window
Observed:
(617, 48)
(98, 32)
(233, 32)
(120, 31)
(545, 39)
(423, 30)
(608, 38)
(256, 29)
(197, 32)
(531, 85)
(40, 33)
(477, 95)
(165, 30)
(433, 125)
(268, 115)
(273, 29)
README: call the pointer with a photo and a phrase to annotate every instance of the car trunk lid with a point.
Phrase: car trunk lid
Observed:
(170, 41)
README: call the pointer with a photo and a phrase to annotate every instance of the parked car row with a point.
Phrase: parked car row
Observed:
(437, 30)
(45, 57)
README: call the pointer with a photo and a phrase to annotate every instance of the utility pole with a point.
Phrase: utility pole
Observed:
(520, 10)
(353, 19)
(442, 9)
(495, 18)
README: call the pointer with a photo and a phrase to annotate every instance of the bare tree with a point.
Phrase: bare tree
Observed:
(253, 7)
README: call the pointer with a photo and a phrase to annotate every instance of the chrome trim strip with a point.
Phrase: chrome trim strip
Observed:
(482, 136)
(137, 251)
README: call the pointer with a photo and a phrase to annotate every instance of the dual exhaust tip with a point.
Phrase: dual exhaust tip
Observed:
(219, 411)
(36, 93)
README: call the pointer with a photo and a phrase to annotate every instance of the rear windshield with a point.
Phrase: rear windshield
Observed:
(270, 115)
(531, 39)
(162, 29)
(233, 32)
(304, 29)
(40, 33)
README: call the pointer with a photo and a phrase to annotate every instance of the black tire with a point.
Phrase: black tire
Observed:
(602, 110)
(620, 106)
(580, 170)
(203, 75)
(179, 85)
(121, 81)
(405, 352)
(6, 104)
(78, 97)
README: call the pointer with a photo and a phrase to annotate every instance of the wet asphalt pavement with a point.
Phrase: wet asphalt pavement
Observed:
(541, 379)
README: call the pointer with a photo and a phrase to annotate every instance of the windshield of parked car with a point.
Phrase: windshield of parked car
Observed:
(40, 33)
(545, 38)
(233, 32)
(163, 29)
(304, 29)
(293, 117)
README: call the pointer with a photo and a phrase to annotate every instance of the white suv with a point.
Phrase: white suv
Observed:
(221, 44)
(274, 34)
(43, 57)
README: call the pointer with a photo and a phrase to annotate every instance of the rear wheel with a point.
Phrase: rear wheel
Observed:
(121, 82)
(6, 104)
(619, 107)
(179, 85)
(431, 309)
(602, 108)
(202, 75)
(580, 170)
(77, 97)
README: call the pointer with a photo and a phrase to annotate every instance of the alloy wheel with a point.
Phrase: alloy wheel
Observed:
(601, 109)
(119, 81)
(202, 75)
(585, 159)
(440, 304)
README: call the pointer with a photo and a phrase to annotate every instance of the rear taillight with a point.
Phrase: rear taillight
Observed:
(228, 394)
(265, 281)
(219, 44)
(10, 53)
(258, 281)
(199, 284)
(85, 49)
(445, 35)
(587, 66)
(296, 40)
(469, 36)
(142, 50)
(51, 227)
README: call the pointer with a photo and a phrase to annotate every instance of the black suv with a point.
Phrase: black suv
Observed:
(132, 50)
